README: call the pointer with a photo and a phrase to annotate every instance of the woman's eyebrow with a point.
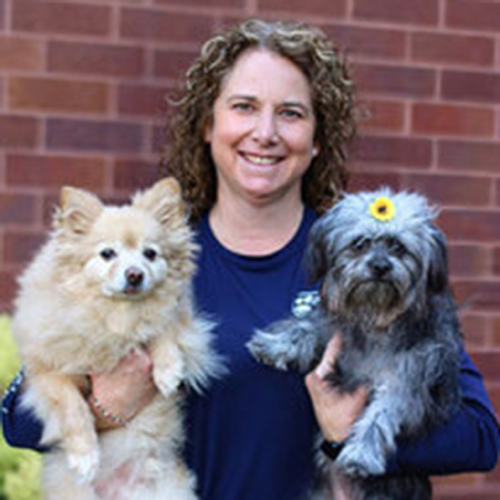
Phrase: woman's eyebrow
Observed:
(288, 104)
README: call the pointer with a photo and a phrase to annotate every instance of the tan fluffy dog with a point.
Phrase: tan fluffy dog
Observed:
(111, 279)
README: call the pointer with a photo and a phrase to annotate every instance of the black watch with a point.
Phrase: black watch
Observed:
(331, 449)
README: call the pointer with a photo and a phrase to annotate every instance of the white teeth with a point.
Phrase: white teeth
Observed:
(262, 160)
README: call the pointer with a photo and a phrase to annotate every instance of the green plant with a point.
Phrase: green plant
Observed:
(19, 469)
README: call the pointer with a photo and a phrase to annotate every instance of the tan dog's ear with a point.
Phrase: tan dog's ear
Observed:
(78, 210)
(163, 200)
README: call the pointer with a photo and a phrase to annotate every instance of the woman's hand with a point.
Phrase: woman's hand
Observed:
(122, 392)
(335, 412)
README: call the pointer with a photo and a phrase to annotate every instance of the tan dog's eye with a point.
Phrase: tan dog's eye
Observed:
(108, 254)
(150, 254)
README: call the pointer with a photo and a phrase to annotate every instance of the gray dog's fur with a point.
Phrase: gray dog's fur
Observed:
(385, 287)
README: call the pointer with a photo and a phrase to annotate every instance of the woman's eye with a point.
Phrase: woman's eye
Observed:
(291, 113)
(107, 254)
(242, 106)
(150, 254)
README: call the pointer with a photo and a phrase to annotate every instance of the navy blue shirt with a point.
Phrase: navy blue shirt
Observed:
(250, 436)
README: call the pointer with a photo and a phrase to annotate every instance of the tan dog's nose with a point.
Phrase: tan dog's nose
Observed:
(134, 277)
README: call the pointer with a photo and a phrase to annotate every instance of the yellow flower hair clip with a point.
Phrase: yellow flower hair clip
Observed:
(383, 209)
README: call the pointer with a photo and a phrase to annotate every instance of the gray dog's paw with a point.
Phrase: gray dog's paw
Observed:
(268, 349)
(357, 460)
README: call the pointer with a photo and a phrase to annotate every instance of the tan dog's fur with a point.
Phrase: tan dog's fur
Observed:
(72, 320)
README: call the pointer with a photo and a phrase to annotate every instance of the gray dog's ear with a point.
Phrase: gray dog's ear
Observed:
(437, 275)
(316, 256)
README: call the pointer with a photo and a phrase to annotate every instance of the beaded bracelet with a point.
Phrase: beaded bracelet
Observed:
(112, 417)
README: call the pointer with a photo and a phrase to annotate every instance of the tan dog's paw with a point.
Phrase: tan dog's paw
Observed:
(84, 464)
(167, 381)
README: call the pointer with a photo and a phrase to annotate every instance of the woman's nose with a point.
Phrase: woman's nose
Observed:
(265, 130)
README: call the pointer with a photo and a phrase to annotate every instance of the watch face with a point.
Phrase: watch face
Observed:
(331, 449)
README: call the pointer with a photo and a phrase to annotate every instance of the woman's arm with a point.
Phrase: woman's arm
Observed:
(122, 392)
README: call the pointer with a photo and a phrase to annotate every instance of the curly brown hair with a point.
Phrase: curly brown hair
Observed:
(189, 158)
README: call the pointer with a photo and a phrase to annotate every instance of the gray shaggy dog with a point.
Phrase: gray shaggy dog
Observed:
(384, 285)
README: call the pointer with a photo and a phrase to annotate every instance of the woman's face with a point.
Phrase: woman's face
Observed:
(262, 132)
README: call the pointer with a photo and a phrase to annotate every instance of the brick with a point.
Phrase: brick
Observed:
(361, 41)
(470, 493)
(141, 100)
(134, 174)
(145, 24)
(2, 14)
(8, 289)
(369, 181)
(471, 14)
(455, 480)
(420, 12)
(21, 247)
(478, 226)
(34, 16)
(314, 7)
(488, 363)
(17, 208)
(89, 135)
(393, 151)
(468, 260)
(474, 328)
(496, 330)
(468, 86)
(202, 3)
(17, 131)
(96, 59)
(20, 54)
(159, 138)
(401, 81)
(477, 156)
(454, 49)
(172, 64)
(496, 261)
(451, 190)
(442, 119)
(55, 171)
(383, 115)
(50, 94)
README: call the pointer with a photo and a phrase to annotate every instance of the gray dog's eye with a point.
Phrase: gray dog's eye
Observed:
(361, 244)
(107, 253)
(395, 246)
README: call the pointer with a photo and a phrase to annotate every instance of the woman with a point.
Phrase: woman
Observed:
(259, 141)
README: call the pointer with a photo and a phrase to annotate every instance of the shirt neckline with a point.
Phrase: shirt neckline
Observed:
(295, 244)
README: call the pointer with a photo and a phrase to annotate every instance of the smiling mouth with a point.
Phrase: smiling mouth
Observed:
(261, 160)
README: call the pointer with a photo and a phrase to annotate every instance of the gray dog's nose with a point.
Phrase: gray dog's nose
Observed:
(134, 277)
(380, 266)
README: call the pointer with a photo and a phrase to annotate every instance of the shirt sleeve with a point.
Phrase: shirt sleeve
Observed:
(468, 442)
(20, 427)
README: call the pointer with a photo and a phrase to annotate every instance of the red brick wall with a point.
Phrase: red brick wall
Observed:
(81, 99)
